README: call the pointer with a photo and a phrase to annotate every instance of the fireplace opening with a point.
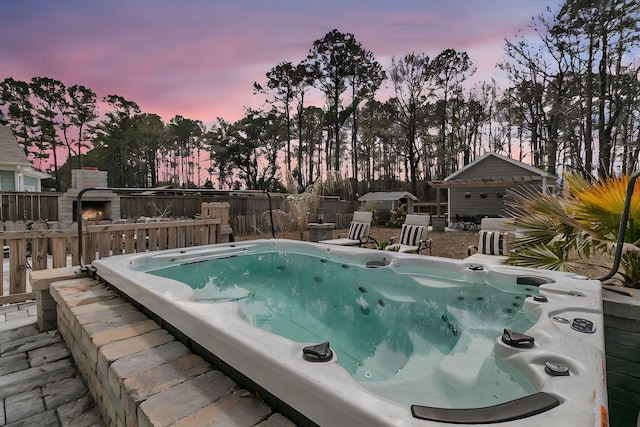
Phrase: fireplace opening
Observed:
(93, 210)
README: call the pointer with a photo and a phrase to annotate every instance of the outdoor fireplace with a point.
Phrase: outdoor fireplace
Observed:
(101, 205)
(96, 210)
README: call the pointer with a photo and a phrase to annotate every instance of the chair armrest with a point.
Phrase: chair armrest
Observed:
(424, 244)
(471, 248)
(391, 240)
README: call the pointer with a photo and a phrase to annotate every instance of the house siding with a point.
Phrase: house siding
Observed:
(492, 205)
(475, 205)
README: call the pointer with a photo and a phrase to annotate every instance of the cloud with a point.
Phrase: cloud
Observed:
(199, 58)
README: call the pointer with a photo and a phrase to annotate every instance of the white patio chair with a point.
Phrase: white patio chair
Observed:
(358, 231)
(413, 237)
(496, 239)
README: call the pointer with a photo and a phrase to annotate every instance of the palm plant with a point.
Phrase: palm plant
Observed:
(563, 232)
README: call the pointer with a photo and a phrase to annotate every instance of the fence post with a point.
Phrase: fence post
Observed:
(39, 248)
(153, 238)
(18, 262)
(59, 247)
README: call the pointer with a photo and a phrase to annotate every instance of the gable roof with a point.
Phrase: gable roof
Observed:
(12, 153)
(531, 169)
(386, 195)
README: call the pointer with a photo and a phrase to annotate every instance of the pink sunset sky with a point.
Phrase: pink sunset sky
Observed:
(199, 58)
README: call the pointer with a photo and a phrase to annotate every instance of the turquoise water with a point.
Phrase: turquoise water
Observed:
(389, 331)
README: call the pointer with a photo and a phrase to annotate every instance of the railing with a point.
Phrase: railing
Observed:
(137, 190)
(56, 245)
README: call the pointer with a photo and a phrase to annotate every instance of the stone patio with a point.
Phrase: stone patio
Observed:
(39, 382)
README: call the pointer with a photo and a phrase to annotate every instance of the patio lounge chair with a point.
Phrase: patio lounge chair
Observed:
(358, 231)
(413, 237)
(495, 241)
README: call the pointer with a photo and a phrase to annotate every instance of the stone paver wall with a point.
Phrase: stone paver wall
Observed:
(139, 374)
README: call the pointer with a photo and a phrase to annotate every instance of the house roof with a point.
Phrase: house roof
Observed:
(13, 157)
(533, 170)
(386, 195)
(534, 175)
(12, 153)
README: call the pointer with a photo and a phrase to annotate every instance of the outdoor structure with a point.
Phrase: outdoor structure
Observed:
(478, 189)
(97, 205)
(386, 201)
(16, 172)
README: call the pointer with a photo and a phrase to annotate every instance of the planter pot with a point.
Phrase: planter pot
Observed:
(438, 223)
(622, 343)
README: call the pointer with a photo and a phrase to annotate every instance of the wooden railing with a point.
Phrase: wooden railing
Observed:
(56, 245)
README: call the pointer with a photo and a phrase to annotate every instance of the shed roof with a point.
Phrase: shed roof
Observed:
(386, 195)
(12, 154)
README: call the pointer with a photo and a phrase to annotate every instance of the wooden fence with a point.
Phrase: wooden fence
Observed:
(29, 206)
(51, 245)
(248, 212)
(243, 225)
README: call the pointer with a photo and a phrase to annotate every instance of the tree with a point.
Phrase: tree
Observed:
(219, 137)
(287, 82)
(310, 133)
(250, 147)
(82, 111)
(410, 76)
(616, 30)
(333, 61)
(184, 135)
(469, 115)
(366, 77)
(151, 132)
(449, 70)
(49, 99)
(577, 75)
(115, 137)
(17, 96)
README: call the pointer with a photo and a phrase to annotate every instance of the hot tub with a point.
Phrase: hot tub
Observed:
(350, 336)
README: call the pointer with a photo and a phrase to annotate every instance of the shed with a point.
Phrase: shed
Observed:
(16, 172)
(386, 201)
(477, 189)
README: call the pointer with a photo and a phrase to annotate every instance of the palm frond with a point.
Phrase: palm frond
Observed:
(579, 223)
(542, 257)
(600, 204)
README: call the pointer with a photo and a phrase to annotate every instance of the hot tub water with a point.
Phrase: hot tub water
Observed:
(417, 341)
(388, 333)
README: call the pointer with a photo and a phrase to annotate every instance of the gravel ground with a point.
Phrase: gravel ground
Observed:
(448, 244)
